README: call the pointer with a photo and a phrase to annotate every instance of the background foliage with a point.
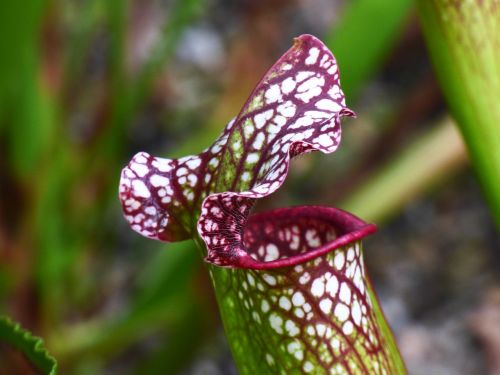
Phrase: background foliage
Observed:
(85, 85)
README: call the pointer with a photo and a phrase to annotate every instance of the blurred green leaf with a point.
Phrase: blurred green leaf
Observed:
(171, 265)
(24, 106)
(180, 346)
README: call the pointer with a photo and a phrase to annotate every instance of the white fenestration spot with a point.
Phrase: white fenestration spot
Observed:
(345, 293)
(318, 288)
(324, 140)
(334, 92)
(302, 121)
(163, 165)
(157, 180)
(273, 94)
(260, 119)
(252, 158)
(295, 348)
(273, 129)
(299, 354)
(291, 328)
(335, 343)
(288, 85)
(279, 120)
(310, 88)
(304, 279)
(251, 280)
(132, 204)
(194, 163)
(259, 141)
(140, 169)
(350, 254)
(192, 179)
(264, 306)
(351, 269)
(245, 176)
(276, 323)
(299, 312)
(358, 280)
(347, 328)
(284, 303)
(338, 261)
(141, 158)
(325, 305)
(307, 367)
(356, 313)
(298, 299)
(151, 210)
(328, 105)
(321, 329)
(311, 331)
(138, 218)
(269, 359)
(214, 162)
(312, 239)
(324, 63)
(256, 316)
(181, 172)
(272, 252)
(287, 109)
(248, 129)
(303, 75)
(271, 280)
(332, 70)
(332, 286)
(341, 312)
(294, 245)
(313, 56)
(140, 189)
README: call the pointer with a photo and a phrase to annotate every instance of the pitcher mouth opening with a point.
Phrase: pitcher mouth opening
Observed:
(287, 237)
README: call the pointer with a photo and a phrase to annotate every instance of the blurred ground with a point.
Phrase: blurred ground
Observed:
(88, 84)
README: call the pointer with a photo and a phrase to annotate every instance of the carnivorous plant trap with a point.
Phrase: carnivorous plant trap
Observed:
(291, 284)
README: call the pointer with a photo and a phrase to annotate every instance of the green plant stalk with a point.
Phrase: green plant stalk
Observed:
(463, 38)
(260, 348)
